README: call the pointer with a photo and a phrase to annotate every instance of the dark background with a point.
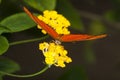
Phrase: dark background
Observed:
(106, 51)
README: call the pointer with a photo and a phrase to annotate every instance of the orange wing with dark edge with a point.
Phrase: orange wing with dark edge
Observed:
(79, 37)
(44, 26)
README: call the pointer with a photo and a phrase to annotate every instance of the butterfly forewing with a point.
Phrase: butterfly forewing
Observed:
(79, 37)
(44, 26)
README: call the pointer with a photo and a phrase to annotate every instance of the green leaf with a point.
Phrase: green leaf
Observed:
(65, 7)
(4, 45)
(42, 5)
(0, 1)
(74, 73)
(97, 27)
(112, 15)
(1, 77)
(89, 52)
(18, 22)
(3, 30)
(109, 15)
(8, 66)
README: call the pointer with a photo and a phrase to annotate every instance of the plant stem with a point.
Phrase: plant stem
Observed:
(27, 41)
(25, 76)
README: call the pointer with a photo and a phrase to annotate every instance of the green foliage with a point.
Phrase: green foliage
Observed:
(112, 15)
(42, 5)
(8, 65)
(1, 78)
(65, 7)
(74, 73)
(17, 22)
(90, 55)
(89, 52)
(0, 1)
(3, 30)
(96, 28)
(109, 15)
(4, 45)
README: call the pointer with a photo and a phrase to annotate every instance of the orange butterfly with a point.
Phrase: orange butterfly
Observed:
(62, 38)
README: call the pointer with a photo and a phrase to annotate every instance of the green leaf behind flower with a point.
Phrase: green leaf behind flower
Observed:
(3, 30)
(4, 45)
(65, 7)
(17, 22)
(0, 1)
(7, 65)
(74, 73)
(97, 27)
(89, 53)
(112, 15)
(1, 78)
(42, 5)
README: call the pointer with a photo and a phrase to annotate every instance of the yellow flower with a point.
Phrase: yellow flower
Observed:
(54, 54)
(57, 21)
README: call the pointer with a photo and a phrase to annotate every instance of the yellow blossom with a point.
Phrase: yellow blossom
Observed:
(54, 54)
(57, 21)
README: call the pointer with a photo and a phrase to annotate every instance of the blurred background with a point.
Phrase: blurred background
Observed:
(92, 60)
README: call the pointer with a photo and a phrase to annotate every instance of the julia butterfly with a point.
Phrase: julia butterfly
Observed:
(62, 38)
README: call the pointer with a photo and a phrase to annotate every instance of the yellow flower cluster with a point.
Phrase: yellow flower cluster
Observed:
(57, 21)
(54, 54)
